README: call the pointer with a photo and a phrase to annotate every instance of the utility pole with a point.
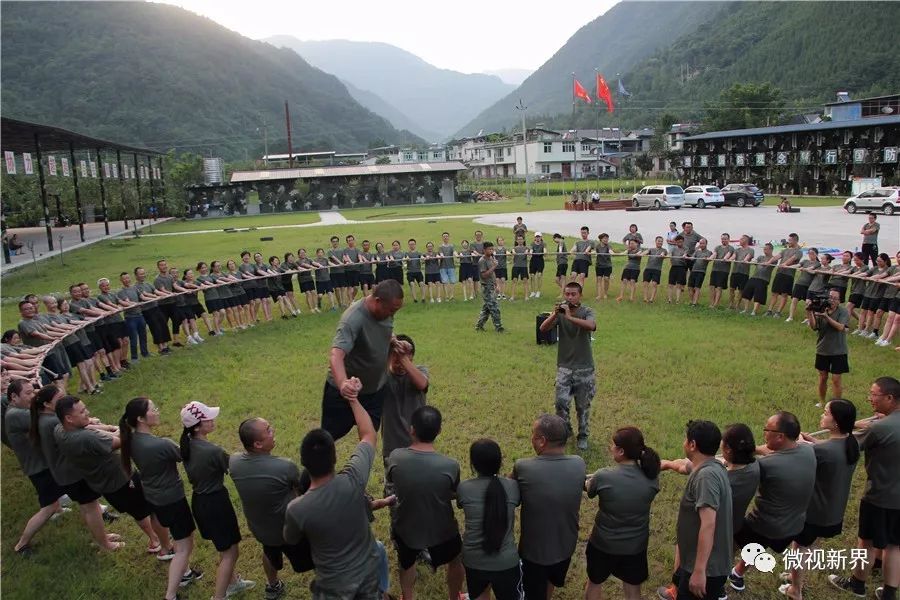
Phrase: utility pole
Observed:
(287, 119)
(522, 108)
(265, 130)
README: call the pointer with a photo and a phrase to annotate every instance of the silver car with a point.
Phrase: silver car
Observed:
(702, 196)
(659, 196)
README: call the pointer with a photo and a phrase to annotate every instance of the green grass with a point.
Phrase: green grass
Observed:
(657, 366)
(809, 201)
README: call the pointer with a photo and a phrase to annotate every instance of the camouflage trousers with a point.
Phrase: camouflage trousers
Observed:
(579, 383)
(489, 308)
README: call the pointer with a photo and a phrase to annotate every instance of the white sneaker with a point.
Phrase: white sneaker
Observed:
(872, 336)
(191, 341)
(438, 300)
(537, 294)
(882, 343)
(805, 322)
(789, 319)
(241, 585)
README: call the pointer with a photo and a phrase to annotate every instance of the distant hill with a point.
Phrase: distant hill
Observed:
(394, 115)
(511, 76)
(614, 42)
(159, 76)
(436, 99)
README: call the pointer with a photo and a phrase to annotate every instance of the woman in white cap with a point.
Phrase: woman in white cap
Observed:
(206, 465)
(157, 460)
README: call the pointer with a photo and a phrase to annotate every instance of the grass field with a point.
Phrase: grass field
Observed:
(657, 367)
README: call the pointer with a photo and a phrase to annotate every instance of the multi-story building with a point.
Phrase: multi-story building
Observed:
(856, 139)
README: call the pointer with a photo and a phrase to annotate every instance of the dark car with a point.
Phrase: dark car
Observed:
(742, 194)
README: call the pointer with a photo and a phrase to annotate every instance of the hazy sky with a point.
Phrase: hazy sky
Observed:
(465, 35)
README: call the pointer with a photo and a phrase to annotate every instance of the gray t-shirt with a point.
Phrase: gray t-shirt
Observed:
(470, 498)
(27, 329)
(551, 488)
(401, 400)
(500, 253)
(520, 257)
(721, 252)
(323, 272)
(147, 288)
(805, 277)
(622, 524)
(881, 445)
(819, 279)
(306, 274)
(633, 260)
(366, 343)
(432, 263)
(690, 240)
(744, 483)
(425, 484)
(677, 255)
(786, 480)
(761, 270)
(740, 259)
(132, 294)
(209, 293)
(581, 248)
(17, 423)
(787, 254)
(157, 459)
(353, 255)
(700, 262)
(207, 467)
(633, 236)
(830, 341)
(562, 253)
(413, 261)
(484, 265)
(92, 455)
(113, 300)
(334, 519)
(574, 350)
(603, 257)
(266, 484)
(707, 487)
(839, 278)
(871, 232)
(655, 262)
(165, 282)
(338, 255)
(62, 470)
(447, 251)
(833, 479)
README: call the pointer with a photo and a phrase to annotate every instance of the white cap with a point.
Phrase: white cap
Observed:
(194, 412)
(538, 234)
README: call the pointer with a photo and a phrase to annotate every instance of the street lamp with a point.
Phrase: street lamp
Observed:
(522, 108)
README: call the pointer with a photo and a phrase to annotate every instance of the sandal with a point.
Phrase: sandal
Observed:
(151, 549)
(783, 589)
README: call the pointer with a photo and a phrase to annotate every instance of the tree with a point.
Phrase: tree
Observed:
(643, 162)
(383, 160)
(745, 105)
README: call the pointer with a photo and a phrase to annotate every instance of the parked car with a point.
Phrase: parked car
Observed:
(885, 199)
(702, 196)
(659, 196)
(742, 194)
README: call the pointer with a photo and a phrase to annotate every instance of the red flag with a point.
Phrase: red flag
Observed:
(580, 92)
(603, 93)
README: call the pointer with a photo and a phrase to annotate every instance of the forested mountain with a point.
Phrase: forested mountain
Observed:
(394, 115)
(616, 41)
(157, 75)
(511, 76)
(436, 99)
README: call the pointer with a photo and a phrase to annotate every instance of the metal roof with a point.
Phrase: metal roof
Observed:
(18, 136)
(855, 101)
(285, 156)
(867, 122)
(345, 171)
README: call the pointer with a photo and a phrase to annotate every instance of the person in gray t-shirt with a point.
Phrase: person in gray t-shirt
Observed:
(869, 232)
(574, 359)
(831, 344)
(407, 387)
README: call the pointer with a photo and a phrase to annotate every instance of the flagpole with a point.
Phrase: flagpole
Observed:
(596, 75)
(574, 147)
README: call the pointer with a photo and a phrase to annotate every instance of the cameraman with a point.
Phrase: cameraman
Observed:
(574, 359)
(830, 320)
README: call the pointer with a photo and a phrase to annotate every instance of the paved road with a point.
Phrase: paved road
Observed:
(828, 227)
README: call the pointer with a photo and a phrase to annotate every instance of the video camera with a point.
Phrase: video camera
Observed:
(820, 302)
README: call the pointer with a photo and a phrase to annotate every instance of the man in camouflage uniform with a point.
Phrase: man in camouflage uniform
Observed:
(487, 264)
(574, 359)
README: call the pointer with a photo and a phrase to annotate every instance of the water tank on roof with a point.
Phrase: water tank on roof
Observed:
(213, 170)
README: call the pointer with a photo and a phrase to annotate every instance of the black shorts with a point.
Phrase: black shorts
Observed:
(369, 279)
(324, 287)
(337, 418)
(885, 304)
(748, 536)
(441, 553)
(197, 308)
(130, 499)
(414, 276)
(835, 364)
(47, 489)
(381, 273)
(811, 533)
(216, 519)
(120, 329)
(677, 275)
(696, 279)
(561, 269)
(631, 569)
(536, 265)
(307, 286)
(275, 294)
(603, 270)
(80, 492)
(352, 278)
(465, 272)
(177, 517)
(501, 273)
(756, 290)
(299, 555)
(505, 585)
(652, 276)
(519, 273)
(396, 273)
(738, 281)
(630, 274)
(580, 267)
(715, 587)
(856, 299)
(880, 525)
(800, 292)
(287, 283)
(339, 279)
(870, 303)
(433, 277)
(215, 304)
(109, 339)
(895, 305)
(783, 283)
(535, 577)
(96, 339)
(719, 279)
(184, 313)
(77, 353)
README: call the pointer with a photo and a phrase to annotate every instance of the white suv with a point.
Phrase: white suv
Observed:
(659, 196)
(885, 199)
(703, 195)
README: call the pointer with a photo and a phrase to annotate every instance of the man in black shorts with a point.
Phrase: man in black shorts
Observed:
(335, 257)
(757, 286)
(831, 344)
(879, 508)
(266, 484)
(677, 270)
(359, 358)
(787, 477)
(718, 278)
(691, 239)
(740, 272)
(582, 252)
(784, 276)
(351, 268)
(562, 262)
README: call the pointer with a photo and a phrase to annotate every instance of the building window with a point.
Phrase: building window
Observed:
(545, 169)
(408, 156)
(568, 147)
(585, 149)
(435, 155)
(509, 151)
(548, 147)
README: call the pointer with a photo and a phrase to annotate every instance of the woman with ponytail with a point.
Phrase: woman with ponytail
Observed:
(489, 548)
(836, 459)
(157, 460)
(618, 541)
(206, 465)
